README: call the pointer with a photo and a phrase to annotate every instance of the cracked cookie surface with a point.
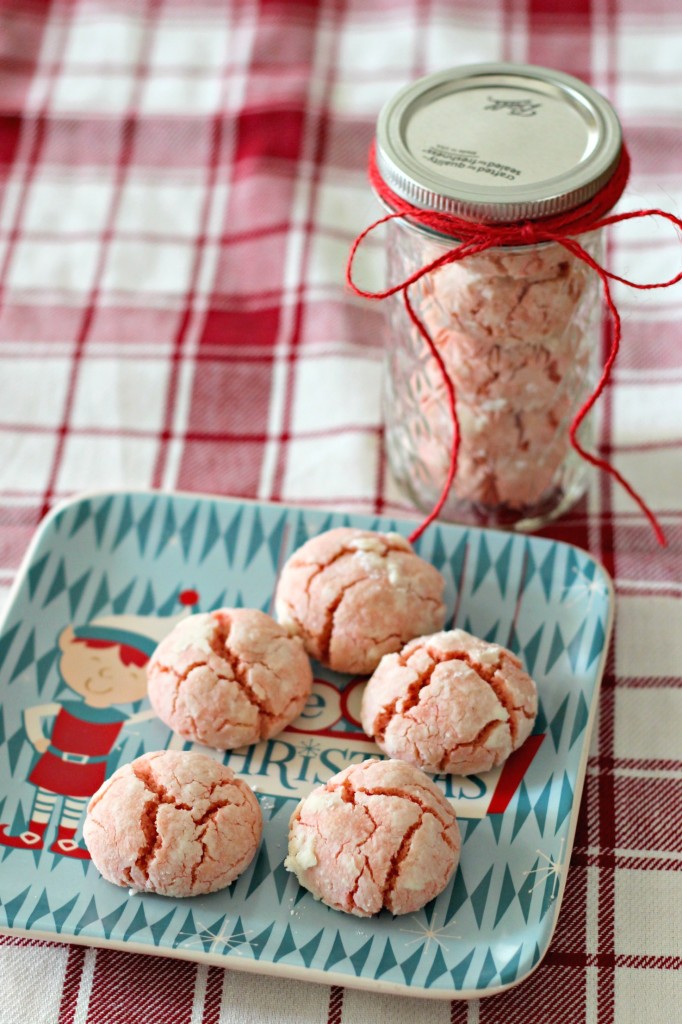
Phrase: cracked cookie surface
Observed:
(354, 595)
(229, 678)
(450, 703)
(173, 822)
(377, 835)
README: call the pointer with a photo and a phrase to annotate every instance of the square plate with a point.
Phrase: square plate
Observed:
(135, 562)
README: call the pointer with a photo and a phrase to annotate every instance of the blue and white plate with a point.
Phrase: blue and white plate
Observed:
(119, 569)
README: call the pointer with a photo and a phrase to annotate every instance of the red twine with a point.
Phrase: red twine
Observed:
(472, 238)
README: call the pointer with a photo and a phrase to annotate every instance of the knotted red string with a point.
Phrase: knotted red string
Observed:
(470, 238)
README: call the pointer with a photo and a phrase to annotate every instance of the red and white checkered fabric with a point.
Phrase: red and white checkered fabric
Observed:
(181, 180)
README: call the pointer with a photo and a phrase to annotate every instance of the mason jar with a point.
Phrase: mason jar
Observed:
(517, 327)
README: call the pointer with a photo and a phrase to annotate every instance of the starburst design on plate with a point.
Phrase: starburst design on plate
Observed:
(428, 934)
(544, 871)
(218, 937)
(583, 588)
(309, 749)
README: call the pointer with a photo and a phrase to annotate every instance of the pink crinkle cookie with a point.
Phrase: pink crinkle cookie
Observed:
(229, 678)
(378, 834)
(354, 595)
(450, 703)
(173, 822)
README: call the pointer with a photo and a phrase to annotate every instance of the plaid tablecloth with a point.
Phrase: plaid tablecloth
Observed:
(181, 181)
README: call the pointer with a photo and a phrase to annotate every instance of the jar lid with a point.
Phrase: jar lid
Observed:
(498, 142)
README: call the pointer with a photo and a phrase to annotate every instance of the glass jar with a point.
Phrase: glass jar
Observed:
(518, 332)
(517, 328)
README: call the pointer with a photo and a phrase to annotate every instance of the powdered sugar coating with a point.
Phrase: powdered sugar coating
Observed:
(229, 677)
(354, 595)
(378, 834)
(488, 297)
(450, 703)
(173, 822)
(505, 456)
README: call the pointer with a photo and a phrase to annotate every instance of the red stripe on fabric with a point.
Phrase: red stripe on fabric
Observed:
(580, 961)
(83, 69)
(213, 997)
(553, 992)
(10, 132)
(141, 989)
(571, 529)
(36, 123)
(656, 154)
(606, 481)
(382, 469)
(652, 345)
(421, 12)
(650, 446)
(634, 553)
(319, 124)
(637, 763)
(335, 1008)
(205, 401)
(554, 10)
(50, 328)
(606, 788)
(235, 328)
(606, 962)
(169, 141)
(103, 350)
(570, 936)
(624, 862)
(267, 135)
(286, 5)
(23, 39)
(648, 813)
(211, 461)
(162, 235)
(659, 963)
(508, 25)
(127, 137)
(193, 435)
(17, 526)
(233, 471)
(607, 838)
(331, 329)
(274, 134)
(559, 35)
(213, 159)
(219, 390)
(21, 940)
(71, 986)
(649, 683)
(606, 782)
(644, 589)
(590, 804)
(459, 1012)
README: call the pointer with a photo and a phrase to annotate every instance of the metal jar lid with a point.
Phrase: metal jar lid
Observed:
(498, 142)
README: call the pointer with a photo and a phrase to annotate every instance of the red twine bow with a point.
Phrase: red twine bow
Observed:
(472, 238)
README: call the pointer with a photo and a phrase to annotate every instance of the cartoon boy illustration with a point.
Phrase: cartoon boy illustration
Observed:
(104, 663)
